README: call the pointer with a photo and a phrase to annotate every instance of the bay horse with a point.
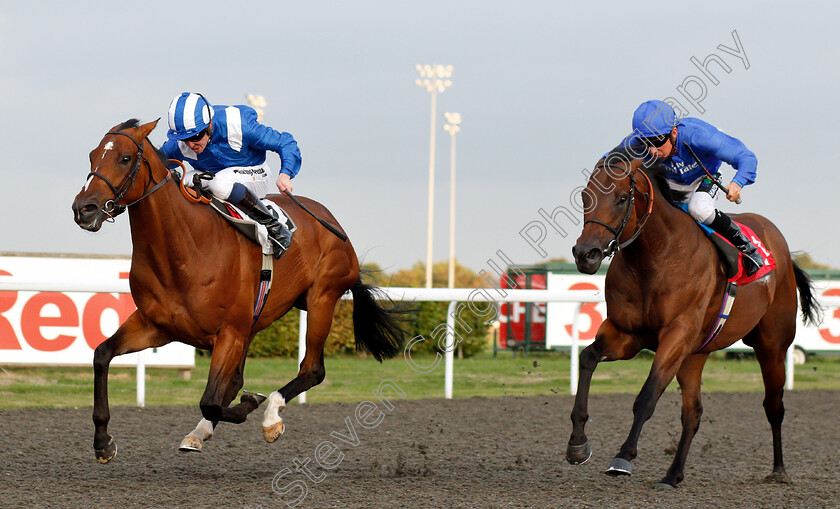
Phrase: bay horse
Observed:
(664, 289)
(194, 279)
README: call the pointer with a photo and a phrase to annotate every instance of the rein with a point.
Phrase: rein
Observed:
(113, 208)
(614, 245)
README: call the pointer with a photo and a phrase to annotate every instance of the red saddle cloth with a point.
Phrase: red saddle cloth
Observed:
(741, 277)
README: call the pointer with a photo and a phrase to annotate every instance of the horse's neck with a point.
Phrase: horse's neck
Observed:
(167, 230)
(660, 247)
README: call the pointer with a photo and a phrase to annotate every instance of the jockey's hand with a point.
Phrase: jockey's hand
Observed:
(284, 182)
(733, 192)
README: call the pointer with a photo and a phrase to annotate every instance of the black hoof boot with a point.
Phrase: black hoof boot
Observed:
(252, 397)
(108, 452)
(578, 454)
(619, 466)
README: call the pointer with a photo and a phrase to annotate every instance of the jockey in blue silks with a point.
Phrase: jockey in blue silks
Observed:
(230, 143)
(658, 132)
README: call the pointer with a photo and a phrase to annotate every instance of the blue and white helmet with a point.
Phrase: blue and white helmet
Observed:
(189, 114)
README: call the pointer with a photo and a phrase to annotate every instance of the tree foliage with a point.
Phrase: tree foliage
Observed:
(280, 339)
(805, 262)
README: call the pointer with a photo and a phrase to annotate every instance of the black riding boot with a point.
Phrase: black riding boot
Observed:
(279, 235)
(732, 232)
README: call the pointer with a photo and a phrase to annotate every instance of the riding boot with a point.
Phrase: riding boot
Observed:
(278, 234)
(732, 232)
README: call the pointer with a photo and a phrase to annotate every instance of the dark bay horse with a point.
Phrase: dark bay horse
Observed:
(194, 280)
(664, 290)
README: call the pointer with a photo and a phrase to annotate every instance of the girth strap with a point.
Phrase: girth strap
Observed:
(726, 306)
(264, 286)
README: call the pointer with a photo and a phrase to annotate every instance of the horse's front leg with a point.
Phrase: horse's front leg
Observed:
(689, 377)
(670, 354)
(610, 344)
(135, 334)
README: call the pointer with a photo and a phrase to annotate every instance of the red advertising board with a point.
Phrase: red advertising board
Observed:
(523, 323)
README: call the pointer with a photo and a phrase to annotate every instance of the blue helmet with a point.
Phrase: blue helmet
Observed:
(654, 118)
(189, 114)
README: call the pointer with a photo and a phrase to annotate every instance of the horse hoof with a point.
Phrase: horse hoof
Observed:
(777, 478)
(578, 454)
(273, 432)
(191, 443)
(619, 466)
(663, 486)
(255, 397)
(108, 452)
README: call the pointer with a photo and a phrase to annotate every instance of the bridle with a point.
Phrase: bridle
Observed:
(113, 208)
(614, 245)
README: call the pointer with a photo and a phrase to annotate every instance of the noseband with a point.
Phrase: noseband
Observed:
(113, 208)
(614, 245)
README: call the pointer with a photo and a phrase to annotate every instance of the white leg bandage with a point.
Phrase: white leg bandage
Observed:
(276, 403)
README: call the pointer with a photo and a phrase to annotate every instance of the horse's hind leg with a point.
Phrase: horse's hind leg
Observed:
(610, 344)
(771, 338)
(689, 377)
(224, 390)
(771, 358)
(134, 335)
(319, 318)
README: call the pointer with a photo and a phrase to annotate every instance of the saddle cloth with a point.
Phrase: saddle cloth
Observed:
(251, 229)
(732, 256)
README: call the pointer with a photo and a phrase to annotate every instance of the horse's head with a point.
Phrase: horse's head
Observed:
(113, 181)
(611, 220)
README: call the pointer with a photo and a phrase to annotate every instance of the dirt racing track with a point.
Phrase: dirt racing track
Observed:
(477, 452)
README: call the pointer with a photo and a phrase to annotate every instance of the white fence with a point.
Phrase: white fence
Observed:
(468, 297)
(453, 296)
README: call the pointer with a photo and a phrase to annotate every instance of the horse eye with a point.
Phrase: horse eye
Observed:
(125, 159)
(622, 199)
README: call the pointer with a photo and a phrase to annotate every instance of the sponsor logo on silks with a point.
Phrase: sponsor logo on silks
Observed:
(680, 167)
(250, 171)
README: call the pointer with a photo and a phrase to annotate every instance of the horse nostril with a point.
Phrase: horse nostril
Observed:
(593, 254)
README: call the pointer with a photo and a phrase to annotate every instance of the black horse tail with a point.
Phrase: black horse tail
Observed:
(378, 330)
(811, 311)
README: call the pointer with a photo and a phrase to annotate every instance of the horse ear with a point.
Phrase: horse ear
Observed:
(146, 129)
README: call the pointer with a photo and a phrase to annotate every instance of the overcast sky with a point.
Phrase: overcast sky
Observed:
(544, 88)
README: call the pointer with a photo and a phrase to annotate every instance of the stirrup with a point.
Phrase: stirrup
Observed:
(751, 265)
(277, 248)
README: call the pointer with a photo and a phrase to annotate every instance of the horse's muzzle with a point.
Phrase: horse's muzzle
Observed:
(87, 215)
(588, 258)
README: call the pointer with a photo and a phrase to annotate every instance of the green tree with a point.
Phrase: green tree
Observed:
(805, 262)
(432, 315)
(280, 339)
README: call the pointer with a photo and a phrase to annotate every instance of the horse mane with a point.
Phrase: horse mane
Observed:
(653, 168)
(128, 124)
(656, 171)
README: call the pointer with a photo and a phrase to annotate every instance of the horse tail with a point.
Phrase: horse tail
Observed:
(811, 310)
(378, 330)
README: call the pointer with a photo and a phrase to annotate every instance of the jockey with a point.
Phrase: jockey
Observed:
(659, 133)
(230, 143)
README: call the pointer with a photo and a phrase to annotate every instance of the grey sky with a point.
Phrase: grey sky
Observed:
(543, 87)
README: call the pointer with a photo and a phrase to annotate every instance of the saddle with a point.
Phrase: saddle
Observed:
(733, 258)
(252, 230)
